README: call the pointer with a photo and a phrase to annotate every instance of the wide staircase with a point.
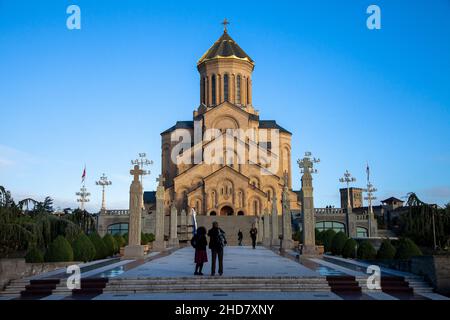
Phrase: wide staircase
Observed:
(231, 226)
(216, 284)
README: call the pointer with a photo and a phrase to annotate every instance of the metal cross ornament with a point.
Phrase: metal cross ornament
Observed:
(306, 164)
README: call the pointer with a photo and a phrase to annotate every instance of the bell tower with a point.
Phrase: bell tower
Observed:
(225, 75)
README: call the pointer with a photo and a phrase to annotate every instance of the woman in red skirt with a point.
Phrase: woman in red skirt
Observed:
(200, 243)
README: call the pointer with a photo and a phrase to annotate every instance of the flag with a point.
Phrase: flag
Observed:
(368, 172)
(194, 221)
(83, 176)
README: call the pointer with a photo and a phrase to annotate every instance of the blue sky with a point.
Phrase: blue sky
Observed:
(99, 95)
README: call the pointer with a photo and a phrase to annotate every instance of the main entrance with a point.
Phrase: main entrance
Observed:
(226, 211)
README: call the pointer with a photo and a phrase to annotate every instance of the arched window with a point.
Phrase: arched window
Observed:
(325, 225)
(202, 90)
(213, 89)
(118, 228)
(238, 90)
(225, 87)
(361, 232)
(248, 90)
(255, 207)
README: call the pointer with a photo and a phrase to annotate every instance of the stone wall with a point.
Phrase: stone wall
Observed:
(436, 269)
(12, 269)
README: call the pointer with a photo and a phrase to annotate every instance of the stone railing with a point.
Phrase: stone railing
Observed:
(328, 211)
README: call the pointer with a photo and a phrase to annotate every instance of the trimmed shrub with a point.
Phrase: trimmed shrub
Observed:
(386, 250)
(34, 255)
(83, 249)
(297, 236)
(110, 244)
(338, 242)
(328, 238)
(144, 238)
(407, 249)
(59, 250)
(349, 249)
(150, 237)
(125, 237)
(319, 237)
(100, 248)
(366, 251)
(120, 241)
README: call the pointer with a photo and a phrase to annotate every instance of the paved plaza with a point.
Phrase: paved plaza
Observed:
(238, 262)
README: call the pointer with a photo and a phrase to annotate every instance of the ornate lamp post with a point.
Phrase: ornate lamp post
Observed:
(103, 182)
(347, 179)
(83, 197)
(370, 191)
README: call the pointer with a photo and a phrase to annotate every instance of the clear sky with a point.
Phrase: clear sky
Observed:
(99, 95)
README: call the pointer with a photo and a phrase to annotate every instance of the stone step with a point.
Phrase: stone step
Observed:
(213, 281)
(218, 289)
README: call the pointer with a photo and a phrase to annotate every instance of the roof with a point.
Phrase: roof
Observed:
(180, 125)
(263, 124)
(392, 199)
(225, 47)
(149, 196)
(271, 124)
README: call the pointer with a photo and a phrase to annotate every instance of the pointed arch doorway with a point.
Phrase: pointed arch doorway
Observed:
(226, 211)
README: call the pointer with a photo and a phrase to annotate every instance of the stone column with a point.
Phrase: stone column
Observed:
(351, 223)
(189, 226)
(260, 227)
(134, 249)
(159, 243)
(275, 233)
(309, 225)
(267, 237)
(173, 238)
(287, 242)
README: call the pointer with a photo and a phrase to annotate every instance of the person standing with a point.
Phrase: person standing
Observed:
(253, 233)
(199, 242)
(217, 242)
(240, 237)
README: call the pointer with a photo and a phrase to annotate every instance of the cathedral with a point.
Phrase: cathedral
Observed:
(235, 184)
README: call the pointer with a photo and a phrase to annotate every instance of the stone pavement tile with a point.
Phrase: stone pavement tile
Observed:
(379, 295)
(56, 297)
(433, 296)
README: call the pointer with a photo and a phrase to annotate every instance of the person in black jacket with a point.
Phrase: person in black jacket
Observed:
(240, 237)
(217, 241)
(199, 243)
(253, 233)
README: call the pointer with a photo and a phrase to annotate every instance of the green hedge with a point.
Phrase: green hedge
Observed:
(120, 241)
(100, 248)
(327, 239)
(110, 244)
(319, 237)
(386, 251)
(34, 255)
(83, 248)
(349, 250)
(297, 236)
(338, 242)
(407, 249)
(59, 250)
(366, 251)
